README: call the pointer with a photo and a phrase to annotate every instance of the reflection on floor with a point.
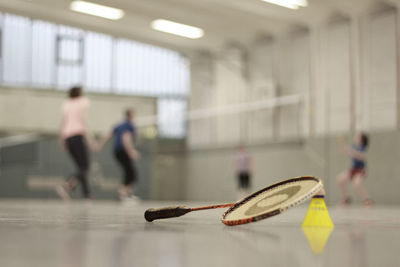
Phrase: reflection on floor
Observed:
(97, 234)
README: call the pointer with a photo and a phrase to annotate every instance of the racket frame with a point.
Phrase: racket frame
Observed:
(274, 212)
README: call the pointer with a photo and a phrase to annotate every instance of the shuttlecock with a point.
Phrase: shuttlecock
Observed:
(317, 225)
(317, 214)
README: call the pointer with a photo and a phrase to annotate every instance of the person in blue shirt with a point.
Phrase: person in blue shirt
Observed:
(357, 173)
(125, 152)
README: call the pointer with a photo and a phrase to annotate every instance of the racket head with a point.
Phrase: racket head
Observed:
(272, 200)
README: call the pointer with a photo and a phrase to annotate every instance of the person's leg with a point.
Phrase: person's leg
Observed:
(80, 155)
(128, 173)
(130, 176)
(119, 158)
(243, 185)
(342, 180)
(64, 190)
(360, 189)
(71, 183)
(246, 184)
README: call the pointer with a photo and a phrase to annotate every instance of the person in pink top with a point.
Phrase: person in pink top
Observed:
(73, 139)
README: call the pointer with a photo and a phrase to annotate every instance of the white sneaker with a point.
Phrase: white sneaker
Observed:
(130, 200)
(134, 198)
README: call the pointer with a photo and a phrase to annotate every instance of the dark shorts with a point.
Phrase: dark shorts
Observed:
(357, 171)
(244, 180)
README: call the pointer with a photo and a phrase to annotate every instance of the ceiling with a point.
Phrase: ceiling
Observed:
(224, 21)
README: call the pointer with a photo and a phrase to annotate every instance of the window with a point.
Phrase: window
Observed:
(148, 70)
(45, 55)
(69, 57)
(16, 50)
(171, 118)
(98, 62)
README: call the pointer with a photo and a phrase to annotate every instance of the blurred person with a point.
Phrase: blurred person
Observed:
(74, 139)
(357, 173)
(244, 168)
(125, 153)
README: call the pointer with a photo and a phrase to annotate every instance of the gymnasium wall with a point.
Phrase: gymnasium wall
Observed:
(38, 110)
(261, 76)
(346, 70)
(201, 132)
(34, 169)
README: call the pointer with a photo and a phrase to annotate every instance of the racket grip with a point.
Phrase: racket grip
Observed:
(164, 213)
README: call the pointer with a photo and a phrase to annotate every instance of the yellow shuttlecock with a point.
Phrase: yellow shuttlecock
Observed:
(317, 225)
(317, 214)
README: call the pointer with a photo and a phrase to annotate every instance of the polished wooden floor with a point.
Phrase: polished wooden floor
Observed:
(113, 234)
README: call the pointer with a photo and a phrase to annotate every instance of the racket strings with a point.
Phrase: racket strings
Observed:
(304, 198)
(244, 211)
(280, 186)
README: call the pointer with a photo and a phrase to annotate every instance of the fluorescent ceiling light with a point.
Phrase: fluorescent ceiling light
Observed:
(97, 10)
(292, 4)
(177, 28)
(302, 3)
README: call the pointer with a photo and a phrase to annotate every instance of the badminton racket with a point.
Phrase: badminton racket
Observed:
(265, 203)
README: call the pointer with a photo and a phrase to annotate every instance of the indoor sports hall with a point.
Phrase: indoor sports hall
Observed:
(180, 133)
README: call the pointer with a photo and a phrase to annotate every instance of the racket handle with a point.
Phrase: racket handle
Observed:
(164, 213)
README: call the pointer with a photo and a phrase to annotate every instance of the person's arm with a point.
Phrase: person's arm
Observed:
(251, 165)
(91, 140)
(343, 148)
(235, 164)
(360, 155)
(129, 146)
(103, 140)
(351, 152)
(88, 133)
(61, 139)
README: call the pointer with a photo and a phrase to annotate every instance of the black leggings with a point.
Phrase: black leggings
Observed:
(127, 165)
(76, 146)
(244, 180)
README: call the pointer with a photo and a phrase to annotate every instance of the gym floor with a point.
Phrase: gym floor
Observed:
(79, 233)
